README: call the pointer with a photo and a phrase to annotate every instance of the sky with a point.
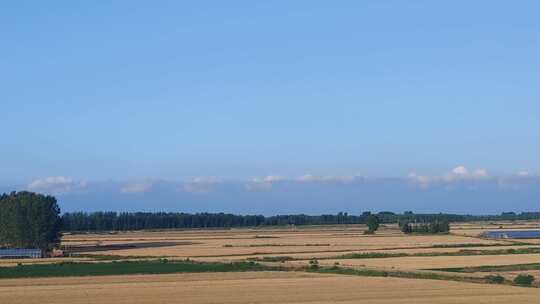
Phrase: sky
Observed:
(120, 93)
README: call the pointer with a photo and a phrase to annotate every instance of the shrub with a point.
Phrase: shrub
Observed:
(524, 280)
(335, 266)
(313, 264)
(372, 223)
(494, 279)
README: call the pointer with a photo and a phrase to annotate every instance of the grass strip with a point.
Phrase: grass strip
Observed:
(71, 269)
(382, 255)
(111, 257)
(412, 275)
(395, 274)
(491, 268)
(516, 243)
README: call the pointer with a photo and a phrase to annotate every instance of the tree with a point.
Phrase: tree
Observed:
(29, 220)
(524, 280)
(494, 279)
(405, 227)
(372, 223)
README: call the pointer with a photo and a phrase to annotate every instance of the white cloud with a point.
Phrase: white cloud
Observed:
(459, 173)
(328, 178)
(56, 185)
(523, 173)
(137, 187)
(273, 178)
(422, 179)
(268, 179)
(264, 183)
(480, 173)
(199, 185)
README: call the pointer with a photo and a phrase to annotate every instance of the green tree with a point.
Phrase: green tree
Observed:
(524, 280)
(372, 223)
(494, 279)
(405, 227)
(29, 220)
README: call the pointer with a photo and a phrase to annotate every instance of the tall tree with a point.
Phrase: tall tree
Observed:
(372, 223)
(29, 220)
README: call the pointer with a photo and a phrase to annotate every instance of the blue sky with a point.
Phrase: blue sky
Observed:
(237, 90)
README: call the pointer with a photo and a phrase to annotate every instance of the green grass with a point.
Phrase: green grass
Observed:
(273, 259)
(125, 268)
(489, 268)
(411, 275)
(395, 274)
(275, 245)
(382, 255)
(368, 255)
(110, 257)
(467, 252)
(479, 245)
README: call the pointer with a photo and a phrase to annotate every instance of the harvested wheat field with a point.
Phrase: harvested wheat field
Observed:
(229, 244)
(266, 287)
(291, 249)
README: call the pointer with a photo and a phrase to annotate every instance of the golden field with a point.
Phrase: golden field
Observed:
(266, 287)
(326, 244)
(243, 243)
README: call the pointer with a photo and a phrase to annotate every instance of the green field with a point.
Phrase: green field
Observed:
(124, 268)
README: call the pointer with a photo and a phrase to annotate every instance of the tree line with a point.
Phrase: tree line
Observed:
(124, 221)
(30, 220)
(440, 225)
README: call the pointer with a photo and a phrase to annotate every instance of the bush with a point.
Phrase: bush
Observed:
(524, 280)
(494, 279)
(372, 223)
(335, 266)
(314, 264)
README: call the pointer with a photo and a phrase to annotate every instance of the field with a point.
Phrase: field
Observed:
(268, 287)
(245, 243)
(330, 264)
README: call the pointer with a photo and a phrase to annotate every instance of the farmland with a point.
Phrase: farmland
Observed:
(266, 287)
(245, 243)
(276, 265)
